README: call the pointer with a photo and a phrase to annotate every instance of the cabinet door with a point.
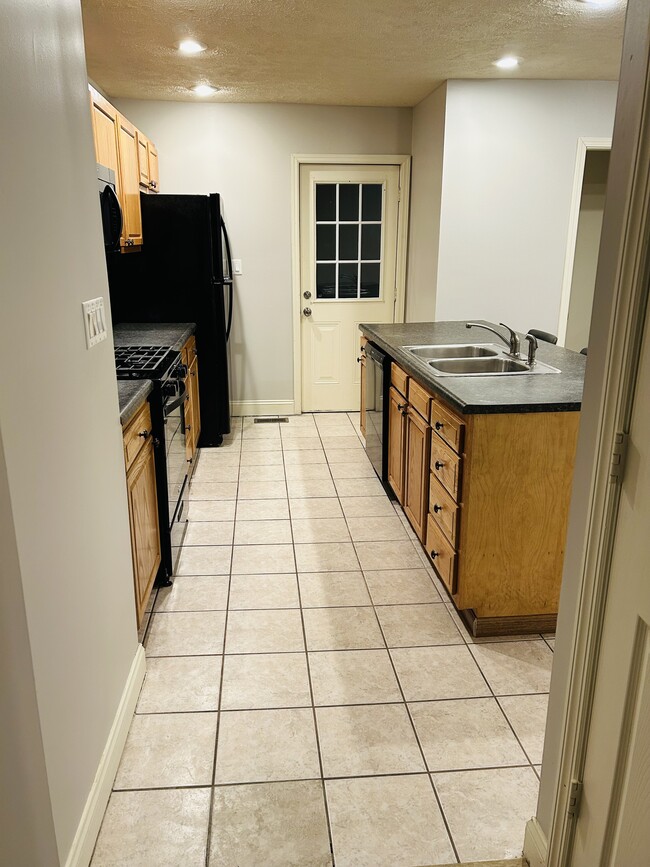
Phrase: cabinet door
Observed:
(194, 391)
(396, 442)
(416, 475)
(154, 178)
(143, 160)
(145, 532)
(105, 125)
(130, 182)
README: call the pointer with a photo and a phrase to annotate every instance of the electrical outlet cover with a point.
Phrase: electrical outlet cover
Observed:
(94, 321)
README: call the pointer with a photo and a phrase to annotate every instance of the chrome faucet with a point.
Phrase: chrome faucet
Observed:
(532, 349)
(512, 341)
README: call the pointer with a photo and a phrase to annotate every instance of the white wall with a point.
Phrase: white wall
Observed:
(65, 488)
(426, 194)
(509, 160)
(244, 152)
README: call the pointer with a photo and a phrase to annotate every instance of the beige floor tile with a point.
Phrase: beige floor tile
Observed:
(262, 490)
(269, 432)
(265, 680)
(310, 488)
(359, 488)
(218, 458)
(342, 429)
(262, 559)
(367, 739)
(515, 667)
(205, 560)
(320, 530)
(213, 491)
(351, 441)
(211, 510)
(209, 533)
(262, 510)
(377, 529)
(388, 555)
(270, 532)
(306, 443)
(401, 586)
(356, 470)
(487, 810)
(332, 589)
(414, 625)
(175, 684)
(551, 643)
(431, 673)
(527, 715)
(315, 507)
(389, 821)
(341, 455)
(194, 593)
(161, 827)
(263, 591)
(265, 745)
(264, 473)
(257, 445)
(264, 632)
(326, 557)
(324, 418)
(186, 633)
(274, 824)
(165, 750)
(353, 677)
(367, 507)
(342, 629)
(215, 473)
(304, 472)
(261, 459)
(142, 631)
(465, 733)
(299, 432)
(305, 456)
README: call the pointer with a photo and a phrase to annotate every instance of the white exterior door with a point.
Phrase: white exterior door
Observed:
(348, 256)
(612, 829)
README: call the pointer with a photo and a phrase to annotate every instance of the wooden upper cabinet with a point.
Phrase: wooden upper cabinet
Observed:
(130, 183)
(105, 120)
(143, 160)
(154, 177)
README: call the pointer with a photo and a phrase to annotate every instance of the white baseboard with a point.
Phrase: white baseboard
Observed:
(91, 818)
(262, 407)
(535, 844)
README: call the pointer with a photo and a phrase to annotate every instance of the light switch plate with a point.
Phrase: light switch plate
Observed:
(236, 266)
(94, 321)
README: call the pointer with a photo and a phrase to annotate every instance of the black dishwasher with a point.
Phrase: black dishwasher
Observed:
(377, 385)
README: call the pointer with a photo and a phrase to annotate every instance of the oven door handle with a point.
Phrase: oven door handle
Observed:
(176, 402)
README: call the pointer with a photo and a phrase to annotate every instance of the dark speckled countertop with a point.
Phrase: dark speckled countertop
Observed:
(172, 334)
(560, 392)
(132, 393)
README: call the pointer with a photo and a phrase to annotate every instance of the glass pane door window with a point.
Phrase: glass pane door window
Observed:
(349, 228)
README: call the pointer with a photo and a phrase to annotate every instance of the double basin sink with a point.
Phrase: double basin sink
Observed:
(474, 359)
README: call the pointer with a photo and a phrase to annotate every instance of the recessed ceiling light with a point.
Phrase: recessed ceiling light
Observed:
(204, 90)
(507, 63)
(191, 46)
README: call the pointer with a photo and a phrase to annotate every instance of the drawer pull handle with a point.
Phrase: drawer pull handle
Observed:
(437, 508)
(438, 465)
(439, 425)
(433, 555)
(401, 406)
(144, 434)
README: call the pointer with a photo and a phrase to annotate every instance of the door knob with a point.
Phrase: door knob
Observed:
(306, 294)
(307, 311)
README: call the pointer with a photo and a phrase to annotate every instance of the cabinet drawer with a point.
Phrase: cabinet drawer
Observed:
(419, 399)
(442, 555)
(398, 378)
(136, 435)
(447, 425)
(445, 466)
(444, 510)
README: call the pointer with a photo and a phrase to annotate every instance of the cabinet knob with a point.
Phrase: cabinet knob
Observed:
(438, 465)
(433, 554)
(437, 508)
(401, 406)
(144, 434)
(188, 427)
(439, 425)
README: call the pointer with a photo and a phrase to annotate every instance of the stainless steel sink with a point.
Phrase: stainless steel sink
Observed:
(473, 350)
(487, 367)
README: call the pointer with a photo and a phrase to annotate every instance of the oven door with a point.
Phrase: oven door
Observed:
(176, 462)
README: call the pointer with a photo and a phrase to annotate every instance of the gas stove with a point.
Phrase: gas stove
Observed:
(144, 362)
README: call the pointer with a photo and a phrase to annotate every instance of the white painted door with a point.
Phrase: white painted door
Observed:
(612, 829)
(348, 256)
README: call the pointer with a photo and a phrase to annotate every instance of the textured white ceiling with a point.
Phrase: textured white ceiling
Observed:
(342, 52)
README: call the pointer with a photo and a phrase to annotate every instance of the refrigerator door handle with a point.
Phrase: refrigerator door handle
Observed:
(228, 281)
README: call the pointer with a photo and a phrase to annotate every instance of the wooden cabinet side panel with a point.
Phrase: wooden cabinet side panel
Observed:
(416, 472)
(515, 500)
(145, 532)
(196, 407)
(396, 442)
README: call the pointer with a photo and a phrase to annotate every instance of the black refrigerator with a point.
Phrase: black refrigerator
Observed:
(183, 274)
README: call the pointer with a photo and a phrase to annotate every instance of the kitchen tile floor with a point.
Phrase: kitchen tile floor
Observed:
(311, 697)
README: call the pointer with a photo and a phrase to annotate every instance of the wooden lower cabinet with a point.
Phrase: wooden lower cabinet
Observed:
(416, 472)
(143, 508)
(192, 409)
(396, 442)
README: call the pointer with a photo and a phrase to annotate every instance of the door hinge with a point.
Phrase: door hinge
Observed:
(575, 796)
(619, 454)
(399, 194)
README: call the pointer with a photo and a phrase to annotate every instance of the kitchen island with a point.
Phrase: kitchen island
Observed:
(483, 466)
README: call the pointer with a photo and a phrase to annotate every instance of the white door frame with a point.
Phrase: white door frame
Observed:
(584, 145)
(403, 161)
(618, 327)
